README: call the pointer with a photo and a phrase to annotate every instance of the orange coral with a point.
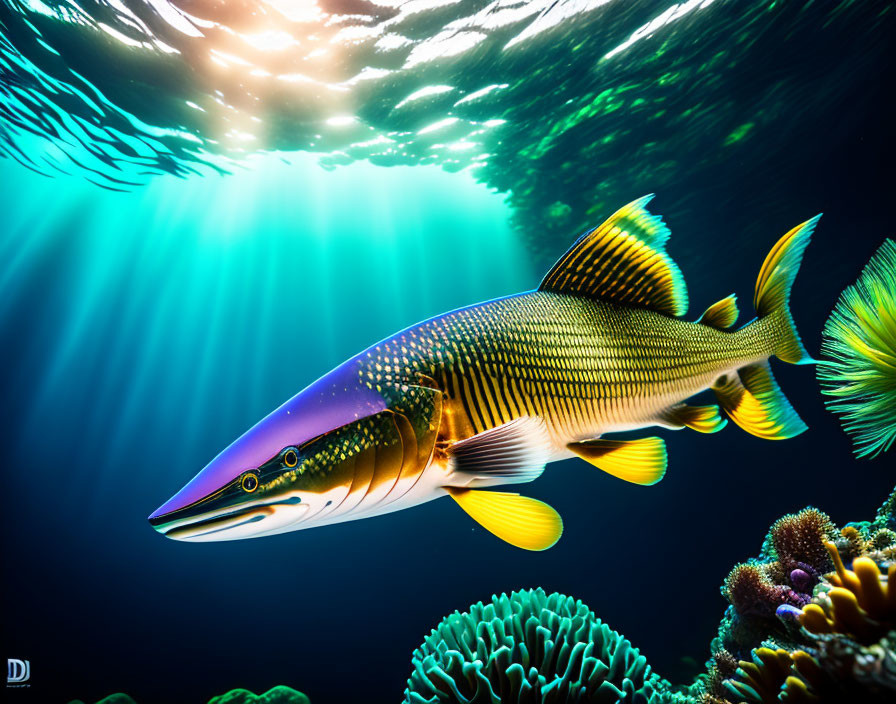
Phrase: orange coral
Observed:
(861, 603)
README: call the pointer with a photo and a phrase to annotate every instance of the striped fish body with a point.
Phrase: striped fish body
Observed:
(488, 395)
(585, 367)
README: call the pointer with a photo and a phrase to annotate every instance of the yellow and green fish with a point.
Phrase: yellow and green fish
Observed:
(488, 395)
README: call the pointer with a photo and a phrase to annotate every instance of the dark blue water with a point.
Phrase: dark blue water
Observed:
(143, 331)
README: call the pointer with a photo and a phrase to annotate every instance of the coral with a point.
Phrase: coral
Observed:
(859, 604)
(883, 538)
(848, 631)
(774, 676)
(529, 647)
(851, 542)
(275, 695)
(767, 594)
(859, 371)
(798, 539)
(886, 514)
(752, 593)
(722, 667)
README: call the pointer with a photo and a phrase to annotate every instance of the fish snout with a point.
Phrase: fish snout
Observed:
(198, 524)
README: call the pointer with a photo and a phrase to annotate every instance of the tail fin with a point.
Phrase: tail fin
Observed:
(772, 298)
(750, 396)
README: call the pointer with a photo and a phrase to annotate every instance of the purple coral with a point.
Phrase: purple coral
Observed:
(801, 580)
(788, 613)
(752, 593)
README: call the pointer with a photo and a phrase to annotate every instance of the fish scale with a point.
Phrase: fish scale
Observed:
(570, 360)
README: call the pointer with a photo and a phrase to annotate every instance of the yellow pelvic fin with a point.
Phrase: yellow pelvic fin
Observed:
(752, 398)
(722, 314)
(638, 461)
(526, 523)
(623, 261)
(703, 419)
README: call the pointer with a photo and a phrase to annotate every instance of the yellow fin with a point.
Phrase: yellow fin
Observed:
(623, 261)
(752, 398)
(638, 461)
(526, 523)
(703, 419)
(722, 314)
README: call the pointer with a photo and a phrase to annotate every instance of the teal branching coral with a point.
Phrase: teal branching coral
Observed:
(859, 347)
(275, 695)
(529, 647)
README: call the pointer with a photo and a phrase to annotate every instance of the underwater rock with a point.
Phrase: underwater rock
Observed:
(529, 647)
(859, 347)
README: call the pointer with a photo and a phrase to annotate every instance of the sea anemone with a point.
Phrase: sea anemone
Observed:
(859, 371)
(529, 647)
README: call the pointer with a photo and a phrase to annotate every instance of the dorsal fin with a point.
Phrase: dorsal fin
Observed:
(623, 261)
(721, 314)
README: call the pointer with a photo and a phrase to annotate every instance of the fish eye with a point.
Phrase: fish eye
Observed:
(249, 482)
(290, 458)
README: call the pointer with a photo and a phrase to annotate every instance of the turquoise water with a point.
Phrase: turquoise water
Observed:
(147, 319)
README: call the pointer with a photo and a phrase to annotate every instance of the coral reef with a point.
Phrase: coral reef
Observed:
(801, 628)
(839, 644)
(275, 695)
(798, 540)
(859, 369)
(766, 594)
(529, 647)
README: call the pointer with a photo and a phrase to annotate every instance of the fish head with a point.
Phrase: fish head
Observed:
(317, 459)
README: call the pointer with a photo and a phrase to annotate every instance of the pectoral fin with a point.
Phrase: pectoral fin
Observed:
(638, 461)
(509, 454)
(526, 523)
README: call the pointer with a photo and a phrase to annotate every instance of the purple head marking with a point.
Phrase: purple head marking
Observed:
(334, 400)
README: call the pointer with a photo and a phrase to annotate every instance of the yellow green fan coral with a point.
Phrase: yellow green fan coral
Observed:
(859, 369)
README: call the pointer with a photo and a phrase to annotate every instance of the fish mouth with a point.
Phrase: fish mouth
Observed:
(230, 523)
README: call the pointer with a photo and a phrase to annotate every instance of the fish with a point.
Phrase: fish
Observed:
(487, 395)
